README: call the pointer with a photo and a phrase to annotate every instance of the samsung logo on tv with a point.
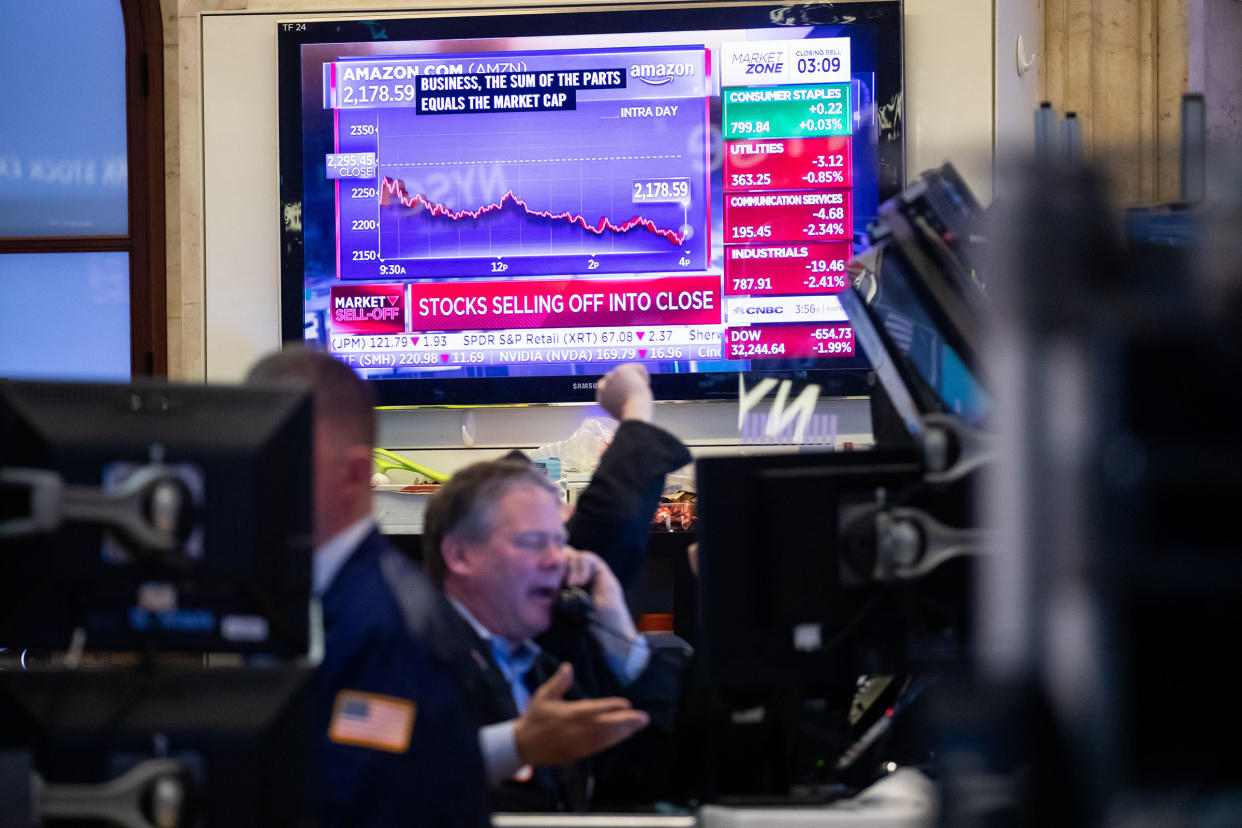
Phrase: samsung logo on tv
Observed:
(585, 386)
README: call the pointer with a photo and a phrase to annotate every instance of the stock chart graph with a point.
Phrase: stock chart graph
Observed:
(561, 180)
(391, 190)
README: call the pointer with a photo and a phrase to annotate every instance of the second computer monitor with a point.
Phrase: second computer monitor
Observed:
(783, 599)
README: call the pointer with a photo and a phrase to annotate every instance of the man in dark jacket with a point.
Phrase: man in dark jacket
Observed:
(494, 540)
(399, 746)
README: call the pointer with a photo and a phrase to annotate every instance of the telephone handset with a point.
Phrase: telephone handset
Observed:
(574, 606)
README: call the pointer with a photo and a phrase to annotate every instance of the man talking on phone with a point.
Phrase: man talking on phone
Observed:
(556, 727)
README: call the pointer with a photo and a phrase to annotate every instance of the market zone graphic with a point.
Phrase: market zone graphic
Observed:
(368, 309)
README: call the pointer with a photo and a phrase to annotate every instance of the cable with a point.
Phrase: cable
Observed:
(584, 614)
(624, 638)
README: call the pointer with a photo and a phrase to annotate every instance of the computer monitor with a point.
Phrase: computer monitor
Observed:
(783, 595)
(236, 745)
(922, 337)
(938, 216)
(225, 569)
(793, 613)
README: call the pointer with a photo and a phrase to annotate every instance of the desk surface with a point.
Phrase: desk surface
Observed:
(593, 821)
(903, 799)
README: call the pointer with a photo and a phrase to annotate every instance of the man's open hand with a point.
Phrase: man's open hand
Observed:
(554, 731)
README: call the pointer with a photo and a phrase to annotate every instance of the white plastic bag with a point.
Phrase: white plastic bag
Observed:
(581, 451)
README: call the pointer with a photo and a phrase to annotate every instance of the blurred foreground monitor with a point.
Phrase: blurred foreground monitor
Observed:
(147, 525)
(154, 517)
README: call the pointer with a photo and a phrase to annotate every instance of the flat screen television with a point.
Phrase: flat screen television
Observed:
(497, 205)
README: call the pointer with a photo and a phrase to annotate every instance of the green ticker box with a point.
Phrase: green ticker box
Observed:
(786, 111)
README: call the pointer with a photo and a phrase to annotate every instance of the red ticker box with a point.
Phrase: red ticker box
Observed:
(789, 341)
(760, 218)
(788, 163)
(786, 269)
(368, 309)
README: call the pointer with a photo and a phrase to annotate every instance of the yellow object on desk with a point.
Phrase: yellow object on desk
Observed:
(386, 460)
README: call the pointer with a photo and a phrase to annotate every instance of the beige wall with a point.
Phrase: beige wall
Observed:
(177, 366)
(949, 92)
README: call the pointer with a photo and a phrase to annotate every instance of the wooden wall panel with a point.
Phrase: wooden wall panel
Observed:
(1172, 81)
(1121, 66)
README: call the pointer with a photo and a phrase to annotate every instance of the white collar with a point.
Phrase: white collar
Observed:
(332, 554)
(484, 632)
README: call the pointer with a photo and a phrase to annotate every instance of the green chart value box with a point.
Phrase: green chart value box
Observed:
(786, 111)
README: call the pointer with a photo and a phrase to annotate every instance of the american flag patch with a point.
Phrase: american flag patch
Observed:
(372, 721)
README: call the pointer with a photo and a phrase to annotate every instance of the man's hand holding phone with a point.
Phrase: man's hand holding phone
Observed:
(614, 628)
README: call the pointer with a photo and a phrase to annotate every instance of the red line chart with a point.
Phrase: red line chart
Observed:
(396, 187)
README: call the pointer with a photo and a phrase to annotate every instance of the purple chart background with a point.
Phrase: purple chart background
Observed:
(583, 161)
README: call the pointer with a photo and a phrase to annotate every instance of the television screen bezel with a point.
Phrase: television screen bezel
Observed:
(851, 380)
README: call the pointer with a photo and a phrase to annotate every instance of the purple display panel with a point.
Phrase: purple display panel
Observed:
(523, 163)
